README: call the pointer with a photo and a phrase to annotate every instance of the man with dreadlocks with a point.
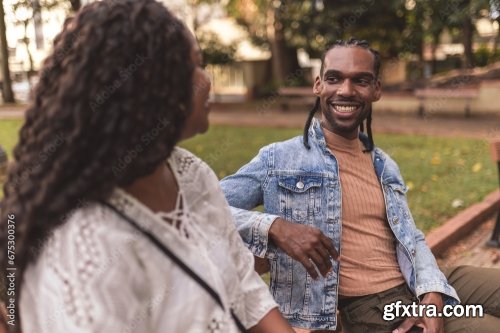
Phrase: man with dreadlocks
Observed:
(333, 190)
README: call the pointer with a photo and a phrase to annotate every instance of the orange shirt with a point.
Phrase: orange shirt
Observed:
(368, 261)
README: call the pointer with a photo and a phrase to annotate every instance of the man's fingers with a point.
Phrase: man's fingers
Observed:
(323, 263)
(406, 325)
(326, 262)
(309, 266)
(328, 244)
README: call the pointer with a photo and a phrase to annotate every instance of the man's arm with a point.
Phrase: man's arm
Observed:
(244, 191)
(431, 286)
(429, 276)
(261, 232)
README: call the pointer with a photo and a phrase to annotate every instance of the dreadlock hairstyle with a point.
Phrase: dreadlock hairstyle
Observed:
(110, 105)
(376, 68)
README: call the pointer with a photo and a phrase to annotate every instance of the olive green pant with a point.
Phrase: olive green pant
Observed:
(474, 285)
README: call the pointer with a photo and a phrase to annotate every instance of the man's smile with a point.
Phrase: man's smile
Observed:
(345, 107)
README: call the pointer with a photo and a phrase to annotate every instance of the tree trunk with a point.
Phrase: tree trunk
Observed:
(468, 30)
(285, 65)
(26, 42)
(7, 94)
(433, 61)
(75, 5)
(496, 40)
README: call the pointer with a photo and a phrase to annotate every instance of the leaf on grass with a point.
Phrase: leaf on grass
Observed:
(436, 159)
(477, 167)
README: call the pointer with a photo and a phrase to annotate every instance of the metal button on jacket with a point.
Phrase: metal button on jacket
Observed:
(300, 185)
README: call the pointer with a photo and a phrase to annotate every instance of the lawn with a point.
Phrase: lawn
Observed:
(444, 175)
(8, 134)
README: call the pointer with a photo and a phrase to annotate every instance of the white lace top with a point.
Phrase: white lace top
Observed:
(98, 274)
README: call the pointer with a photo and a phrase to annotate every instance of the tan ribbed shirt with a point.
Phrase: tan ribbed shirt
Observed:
(368, 261)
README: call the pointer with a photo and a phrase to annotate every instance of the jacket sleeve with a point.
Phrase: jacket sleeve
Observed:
(244, 191)
(429, 276)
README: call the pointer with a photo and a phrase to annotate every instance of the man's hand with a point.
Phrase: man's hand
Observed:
(305, 244)
(430, 325)
(261, 265)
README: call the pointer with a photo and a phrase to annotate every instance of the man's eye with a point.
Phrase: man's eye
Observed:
(332, 79)
(363, 82)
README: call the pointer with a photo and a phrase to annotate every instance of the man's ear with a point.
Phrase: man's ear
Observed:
(378, 91)
(318, 86)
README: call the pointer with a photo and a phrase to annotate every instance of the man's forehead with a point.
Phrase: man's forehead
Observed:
(349, 59)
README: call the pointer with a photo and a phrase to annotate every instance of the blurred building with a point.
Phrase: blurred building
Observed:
(30, 34)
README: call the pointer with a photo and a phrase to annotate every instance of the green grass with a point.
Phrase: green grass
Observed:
(438, 171)
(8, 139)
(441, 171)
(9, 134)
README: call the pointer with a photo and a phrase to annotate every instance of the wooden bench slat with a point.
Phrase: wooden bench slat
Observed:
(458, 93)
(295, 95)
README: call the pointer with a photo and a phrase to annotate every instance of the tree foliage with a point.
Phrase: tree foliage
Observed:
(396, 28)
(214, 51)
(313, 24)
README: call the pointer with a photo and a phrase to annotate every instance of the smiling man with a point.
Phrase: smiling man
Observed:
(332, 191)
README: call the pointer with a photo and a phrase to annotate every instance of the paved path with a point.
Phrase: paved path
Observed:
(477, 126)
(472, 250)
(483, 126)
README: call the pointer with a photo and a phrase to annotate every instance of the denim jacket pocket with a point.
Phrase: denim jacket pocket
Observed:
(299, 196)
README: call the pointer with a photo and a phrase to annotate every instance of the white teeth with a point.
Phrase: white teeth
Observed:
(345, 108)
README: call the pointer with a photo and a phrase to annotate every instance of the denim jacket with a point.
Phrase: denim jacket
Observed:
(303, 186)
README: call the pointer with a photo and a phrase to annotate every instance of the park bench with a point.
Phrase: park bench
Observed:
(302, 96)
(441, 95)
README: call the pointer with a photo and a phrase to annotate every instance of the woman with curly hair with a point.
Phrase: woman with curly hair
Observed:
(117, 229)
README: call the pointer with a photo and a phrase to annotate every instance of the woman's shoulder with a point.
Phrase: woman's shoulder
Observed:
(81, 247)
(80, 264)
(188, 165)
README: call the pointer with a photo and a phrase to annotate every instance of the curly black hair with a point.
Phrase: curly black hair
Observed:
(352, 42)
(110, 105)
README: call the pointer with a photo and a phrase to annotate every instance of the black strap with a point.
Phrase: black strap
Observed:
(178, 262)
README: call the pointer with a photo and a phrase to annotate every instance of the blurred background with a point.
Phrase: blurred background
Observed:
(253, 47)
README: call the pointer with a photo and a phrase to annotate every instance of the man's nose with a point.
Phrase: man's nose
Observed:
(346, 88)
